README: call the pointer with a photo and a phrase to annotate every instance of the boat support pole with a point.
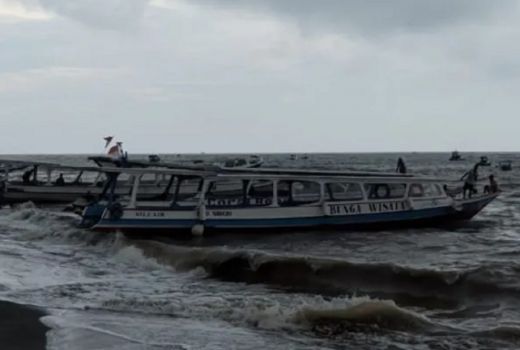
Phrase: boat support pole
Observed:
(198, 229)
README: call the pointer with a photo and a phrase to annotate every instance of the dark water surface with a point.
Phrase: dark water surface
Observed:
(403, 289)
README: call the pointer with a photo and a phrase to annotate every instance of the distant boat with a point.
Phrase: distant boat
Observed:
(484, 161)
(455, 156)
(253, 161)
(154, 158)
(505, 165)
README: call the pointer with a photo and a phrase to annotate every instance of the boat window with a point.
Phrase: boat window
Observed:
(86, 177)
(298, 192)
(385, 190)
(225, 193)
(260, 193)
(425, 190)
(157, 179)
(188, 191)
(343, 191)
(69, 177)
(161, 191)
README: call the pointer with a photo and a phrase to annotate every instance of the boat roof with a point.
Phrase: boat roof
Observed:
(282, 174)
(100, 160)
(234, 173)
(310, 171)
(12, 164)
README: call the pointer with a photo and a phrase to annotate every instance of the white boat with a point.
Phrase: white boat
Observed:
(281, 199)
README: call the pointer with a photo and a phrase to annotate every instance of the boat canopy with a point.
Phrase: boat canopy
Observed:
(20, 164)
(278, 174)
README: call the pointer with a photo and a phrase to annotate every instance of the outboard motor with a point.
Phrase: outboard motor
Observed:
(92, 214)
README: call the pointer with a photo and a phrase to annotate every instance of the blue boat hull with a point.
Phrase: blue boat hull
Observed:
(402, 219)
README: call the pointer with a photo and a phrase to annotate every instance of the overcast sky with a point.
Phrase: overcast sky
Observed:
(172, 76)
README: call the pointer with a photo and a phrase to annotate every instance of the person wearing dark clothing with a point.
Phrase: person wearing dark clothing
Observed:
(401, 167)
(470, 181)
(60, 181)
(26, 177)
(493, 185)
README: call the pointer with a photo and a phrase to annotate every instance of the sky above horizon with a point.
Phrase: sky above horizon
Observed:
(259, 76)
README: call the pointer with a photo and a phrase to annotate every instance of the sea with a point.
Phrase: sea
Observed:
(428, 288)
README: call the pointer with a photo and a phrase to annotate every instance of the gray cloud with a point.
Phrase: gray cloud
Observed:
(198, 79)
(104, 14)
(373, 16)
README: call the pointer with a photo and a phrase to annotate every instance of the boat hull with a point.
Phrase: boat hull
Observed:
(159, 223)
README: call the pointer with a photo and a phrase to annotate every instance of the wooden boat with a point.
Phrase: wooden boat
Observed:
(40, 182)
(281, 199)
(37, 182)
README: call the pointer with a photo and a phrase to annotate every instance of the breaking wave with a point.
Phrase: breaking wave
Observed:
(509, 334)
(406, 285)
(372, 313)
(25, 221)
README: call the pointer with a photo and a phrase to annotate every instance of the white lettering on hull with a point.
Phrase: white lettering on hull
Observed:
(341, 209)
(149, 214)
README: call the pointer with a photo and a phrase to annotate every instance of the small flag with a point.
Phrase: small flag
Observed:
(108, 139)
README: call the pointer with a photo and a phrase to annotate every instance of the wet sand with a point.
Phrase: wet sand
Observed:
(20, 327)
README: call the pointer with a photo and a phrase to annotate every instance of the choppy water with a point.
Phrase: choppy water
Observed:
(402, 289)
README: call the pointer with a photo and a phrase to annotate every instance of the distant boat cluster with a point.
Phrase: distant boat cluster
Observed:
(120, 194)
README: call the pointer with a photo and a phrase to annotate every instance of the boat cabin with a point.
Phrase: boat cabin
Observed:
(249, 190)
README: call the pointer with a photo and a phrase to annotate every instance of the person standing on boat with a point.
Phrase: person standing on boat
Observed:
(26, 177)
(60, 181)
(401, 167)
(470, 181)
(117, 154)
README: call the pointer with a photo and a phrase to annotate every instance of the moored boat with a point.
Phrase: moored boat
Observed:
(280, 199)
(41, 182)
(52, 183)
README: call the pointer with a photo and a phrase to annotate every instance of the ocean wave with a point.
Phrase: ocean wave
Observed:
(509, 334)
(373, 313)
(324, 317)
(411, 286)
(428, 288)
(28, 223)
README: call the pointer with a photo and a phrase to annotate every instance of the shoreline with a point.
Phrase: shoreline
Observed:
(20, 327)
